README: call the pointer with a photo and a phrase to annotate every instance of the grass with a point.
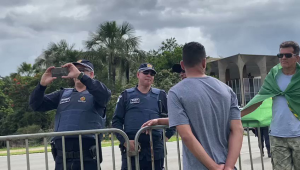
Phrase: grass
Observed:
(41, 148)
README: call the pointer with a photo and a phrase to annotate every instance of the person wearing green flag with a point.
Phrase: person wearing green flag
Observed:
(282, 85)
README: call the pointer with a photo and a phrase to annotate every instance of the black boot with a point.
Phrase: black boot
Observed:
(269, 154)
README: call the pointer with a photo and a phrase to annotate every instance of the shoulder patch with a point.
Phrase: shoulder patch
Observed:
(130, 90)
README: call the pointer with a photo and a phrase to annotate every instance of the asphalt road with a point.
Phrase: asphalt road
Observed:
(37, 161)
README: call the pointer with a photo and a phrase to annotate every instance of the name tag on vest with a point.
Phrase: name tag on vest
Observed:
(66, 100)
(135, 101)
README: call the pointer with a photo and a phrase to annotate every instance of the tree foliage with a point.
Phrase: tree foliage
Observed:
(114, 51)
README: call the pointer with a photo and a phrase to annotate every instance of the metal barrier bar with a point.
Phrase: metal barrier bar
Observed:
(178, 149)
(63, 134)
(255, 124)
(260, 148)
(80, 151)
(27, 154)
(165, 149)
(249, 143)
(113, 150)
(97, 151)
(8, 155)
(152, 150)
(67, 133)
(46, 154)
(136, 141)
(64, 153)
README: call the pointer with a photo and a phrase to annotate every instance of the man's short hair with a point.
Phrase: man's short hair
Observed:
(292, 44)
(192, 54)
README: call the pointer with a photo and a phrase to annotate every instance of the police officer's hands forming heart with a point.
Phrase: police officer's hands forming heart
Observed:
(47, 77)
(73, 71)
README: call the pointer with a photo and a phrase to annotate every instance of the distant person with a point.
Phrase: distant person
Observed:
(134, 107)
(283, 85)
(205, 112)
(78, 108)
(264, 133)
(177, 69)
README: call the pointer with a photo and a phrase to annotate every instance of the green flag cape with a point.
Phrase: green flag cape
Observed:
(262, 116)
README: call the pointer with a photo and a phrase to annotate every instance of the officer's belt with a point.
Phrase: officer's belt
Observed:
(75, 154)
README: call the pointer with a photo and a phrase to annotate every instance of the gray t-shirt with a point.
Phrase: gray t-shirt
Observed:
(284, 124)
(208, 106)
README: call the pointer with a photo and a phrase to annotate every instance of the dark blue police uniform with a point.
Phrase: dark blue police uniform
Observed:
(75, 111)
(132, 111)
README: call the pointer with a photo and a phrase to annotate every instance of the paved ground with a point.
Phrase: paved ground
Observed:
(37, 161)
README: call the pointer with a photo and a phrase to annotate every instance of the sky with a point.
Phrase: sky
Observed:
(224, 27)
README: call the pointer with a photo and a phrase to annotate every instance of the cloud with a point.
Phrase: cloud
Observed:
(183, 35)
(225, 27)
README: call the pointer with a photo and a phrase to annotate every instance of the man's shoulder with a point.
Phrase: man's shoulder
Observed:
(218, 82)
(129, 90)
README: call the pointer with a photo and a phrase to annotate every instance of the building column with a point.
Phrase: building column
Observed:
(222, 71)
(241, 65)
(262, 64)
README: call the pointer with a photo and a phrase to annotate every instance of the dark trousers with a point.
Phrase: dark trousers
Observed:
(72, 145)
(144, 163)
(264, 132)
(75, 165)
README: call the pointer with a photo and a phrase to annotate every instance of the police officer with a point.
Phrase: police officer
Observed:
(134, 107)
(78, 108)
(177, 69)
(165, 121)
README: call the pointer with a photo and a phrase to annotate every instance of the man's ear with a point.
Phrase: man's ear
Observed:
(203, 63)
(92, 75)
(182, 65)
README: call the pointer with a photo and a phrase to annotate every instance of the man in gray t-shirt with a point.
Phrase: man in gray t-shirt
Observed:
(206, 106)
(205, 112)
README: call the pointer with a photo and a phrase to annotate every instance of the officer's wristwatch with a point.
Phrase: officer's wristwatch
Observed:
(80, 75)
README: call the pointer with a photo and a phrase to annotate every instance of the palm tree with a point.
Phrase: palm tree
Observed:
(114, 44)
(57, 54)
(26, 69)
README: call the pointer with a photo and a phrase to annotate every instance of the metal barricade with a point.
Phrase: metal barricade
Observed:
(63, 134)
(246, 126)
(150, 128)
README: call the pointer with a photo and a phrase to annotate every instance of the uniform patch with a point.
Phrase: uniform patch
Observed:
(82, 99)
(135, 101)
(66, 100)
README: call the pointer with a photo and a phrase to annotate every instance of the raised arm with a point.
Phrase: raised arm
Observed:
(38, 100)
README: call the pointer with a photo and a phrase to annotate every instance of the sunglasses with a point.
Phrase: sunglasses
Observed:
(152, 73)
(287, 55)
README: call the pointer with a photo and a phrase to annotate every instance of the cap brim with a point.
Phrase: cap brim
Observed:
(85, 65)
(144, 69)
(177, 68)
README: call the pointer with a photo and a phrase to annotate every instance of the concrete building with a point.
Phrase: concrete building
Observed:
(244, 73)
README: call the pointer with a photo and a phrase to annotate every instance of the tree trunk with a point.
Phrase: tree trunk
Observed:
(127, 72)
(110, 63)
(113, 76)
